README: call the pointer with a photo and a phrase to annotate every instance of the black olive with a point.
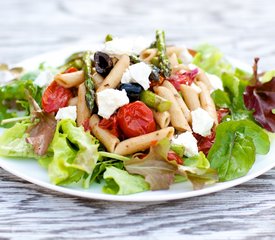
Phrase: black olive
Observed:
(133, 90)
(103, 63)
(154, 76)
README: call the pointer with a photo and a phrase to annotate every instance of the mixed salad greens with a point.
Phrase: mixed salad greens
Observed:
(70, 153)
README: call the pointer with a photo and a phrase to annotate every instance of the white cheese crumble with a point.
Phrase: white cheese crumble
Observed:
(128, 46)
(109, 100)
(137, 73)
(201, 122)
(189, 142)
(5, 76)
(44, 78)
(66, 112)
(215, 81)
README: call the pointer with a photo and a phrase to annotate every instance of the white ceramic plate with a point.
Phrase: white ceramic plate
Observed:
(31, 171)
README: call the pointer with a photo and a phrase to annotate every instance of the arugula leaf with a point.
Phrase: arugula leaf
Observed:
(233, 152)
(158, 172)
(122, 183)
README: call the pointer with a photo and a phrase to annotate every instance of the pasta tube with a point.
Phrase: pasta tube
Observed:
(104, 136)
(190, 96)
(178, 120)
(82, 110)
(207, 102)
(143, 142)
(162, 118)
(69, 80)
(114, 77)
(179, 99)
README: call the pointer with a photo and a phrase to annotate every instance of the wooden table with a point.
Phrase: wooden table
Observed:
(242, 29)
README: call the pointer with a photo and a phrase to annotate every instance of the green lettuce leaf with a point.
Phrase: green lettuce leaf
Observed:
(211, 60)
(122, 183)
(13, 142)
(198, 172)
(233, 152)
(74, 153)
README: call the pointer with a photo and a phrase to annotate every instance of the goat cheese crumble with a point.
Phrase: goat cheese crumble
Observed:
(189, 142)
(109, 100)
(201, 122)
(66, 112)
(137, 73)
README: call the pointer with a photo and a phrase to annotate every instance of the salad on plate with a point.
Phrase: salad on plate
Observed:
(138, 115)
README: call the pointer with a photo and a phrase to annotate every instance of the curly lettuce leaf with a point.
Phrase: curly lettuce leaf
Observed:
(122, 183)
(13, 142)
(74, 153)
(235, 146)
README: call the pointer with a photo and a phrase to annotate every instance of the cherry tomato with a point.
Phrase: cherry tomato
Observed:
(186, 78)
(172, 156)
(135, 119)
(110, 124)
(71, 70)
(55, 97)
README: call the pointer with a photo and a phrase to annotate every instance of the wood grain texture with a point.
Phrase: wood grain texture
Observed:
(242, 29)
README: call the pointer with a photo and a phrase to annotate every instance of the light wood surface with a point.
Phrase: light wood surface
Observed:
(242, 29)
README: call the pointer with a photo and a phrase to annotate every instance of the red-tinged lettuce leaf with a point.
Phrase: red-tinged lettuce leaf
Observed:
(261, 99)
(155, 167)
(41, 133)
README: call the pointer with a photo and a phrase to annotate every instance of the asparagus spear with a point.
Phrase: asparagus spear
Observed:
(164, 64)
(154, 101)
(89, 83)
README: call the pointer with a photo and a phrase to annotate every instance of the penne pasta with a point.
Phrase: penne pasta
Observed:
(98, 80)
(178, 119)
(83, 113)
(73, 101)
(179, 99)
(203, 78)
(114, 77)
(147, 54)
(69, 80)
(143, 142)
(191, 97)
(162, 118)
(104, 136)
(207, 102)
